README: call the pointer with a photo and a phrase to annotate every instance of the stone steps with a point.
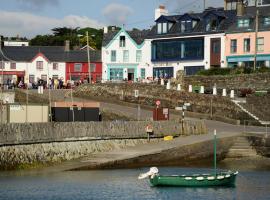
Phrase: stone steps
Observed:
(241, 149)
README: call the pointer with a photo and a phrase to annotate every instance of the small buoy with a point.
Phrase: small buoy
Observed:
(211, 178)
(200, 178)
(220, 177)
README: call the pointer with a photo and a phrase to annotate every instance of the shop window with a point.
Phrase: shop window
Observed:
(78, 67)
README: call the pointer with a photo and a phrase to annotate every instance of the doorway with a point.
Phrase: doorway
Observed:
(131, 73)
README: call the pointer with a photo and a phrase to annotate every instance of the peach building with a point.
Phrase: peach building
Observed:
(240, 44)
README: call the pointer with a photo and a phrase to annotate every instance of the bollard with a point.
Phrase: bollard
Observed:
(41, 89)
(162, 82)
(202, 90)
(232, 94)
(214, 90)
(179, 87)
(190, 88)
(168, 85)
(224, 92)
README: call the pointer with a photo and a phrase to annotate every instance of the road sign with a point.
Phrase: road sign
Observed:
(178, 108)
(136, 93)
(158, 103)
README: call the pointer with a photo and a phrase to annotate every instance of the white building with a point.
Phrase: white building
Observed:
(125, 55)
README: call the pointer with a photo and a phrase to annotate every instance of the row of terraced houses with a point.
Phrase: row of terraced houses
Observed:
(215, 38)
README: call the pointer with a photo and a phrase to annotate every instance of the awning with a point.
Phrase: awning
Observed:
(248, 58)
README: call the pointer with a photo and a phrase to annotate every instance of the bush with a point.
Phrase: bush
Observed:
(215, 71)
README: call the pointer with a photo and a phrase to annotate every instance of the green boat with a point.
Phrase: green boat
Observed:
(225, 179)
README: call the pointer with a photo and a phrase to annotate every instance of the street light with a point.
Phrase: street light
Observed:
(88, 57)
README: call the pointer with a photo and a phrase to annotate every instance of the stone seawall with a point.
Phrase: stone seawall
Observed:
(216, 107)
(261, 143)
(23, 156)
(29, 144)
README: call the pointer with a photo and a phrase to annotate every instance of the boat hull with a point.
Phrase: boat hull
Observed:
(227, 180)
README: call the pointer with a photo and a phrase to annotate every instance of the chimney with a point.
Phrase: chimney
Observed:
(105, 29)
(160, 11)
(67, 45)
(240, 8)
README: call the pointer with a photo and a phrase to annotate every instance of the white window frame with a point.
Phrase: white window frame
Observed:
(125, 56)
(260, 44)
(138, 56)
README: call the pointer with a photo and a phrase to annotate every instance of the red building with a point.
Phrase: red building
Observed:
(77, 66)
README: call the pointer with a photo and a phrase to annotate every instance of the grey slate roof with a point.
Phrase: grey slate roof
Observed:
(250, 13)
(137, 35)
(52, 53)
(227, 18)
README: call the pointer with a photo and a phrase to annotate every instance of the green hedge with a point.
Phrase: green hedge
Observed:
(231, 71)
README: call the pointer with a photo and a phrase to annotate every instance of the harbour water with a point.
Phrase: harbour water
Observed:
(123, 184)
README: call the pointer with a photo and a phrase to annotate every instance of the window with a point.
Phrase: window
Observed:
(142, 73)
(243, 23)
(186, 26)
(12, 65)
(159, 28)
(55, 66)
(233, 46)
(2, 65)
(212, 25)
(31, 78)
(55, 77)
(138, 56)
(266, 21)
(116, 74)
(260, 44)
(113, 56)
(122, 41)
(216, 46)
(162, 28)
(93, 67)
(125, 56)
(44, 77)
(180, 49)
(246, 45)
(263, 2)
(77, 67)
(39, 65)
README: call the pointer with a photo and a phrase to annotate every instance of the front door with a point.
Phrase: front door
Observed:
(215, 52)
(131, 74)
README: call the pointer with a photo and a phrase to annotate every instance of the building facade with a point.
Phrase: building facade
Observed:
(241, 45)
(190, 42)
(30, 63)
(124, 55)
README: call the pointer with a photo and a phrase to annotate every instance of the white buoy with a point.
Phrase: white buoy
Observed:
(202, 90)
(178, 87)
(214, 90)
(232, 94)
(224, 92)
(190, 88)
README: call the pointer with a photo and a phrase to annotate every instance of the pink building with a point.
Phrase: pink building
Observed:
(240, 44)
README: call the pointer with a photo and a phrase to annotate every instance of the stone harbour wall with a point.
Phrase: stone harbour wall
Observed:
(30, 144)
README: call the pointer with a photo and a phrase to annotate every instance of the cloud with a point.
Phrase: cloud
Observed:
(37, 4)
(117, 14)
(29, 25)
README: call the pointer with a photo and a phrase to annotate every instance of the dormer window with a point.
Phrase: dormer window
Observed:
(243, 23)
(162, 28)
(212, 25)
(122, 41)
(266, 21)
(186, 26)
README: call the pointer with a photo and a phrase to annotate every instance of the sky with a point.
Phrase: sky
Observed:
(28, 18)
